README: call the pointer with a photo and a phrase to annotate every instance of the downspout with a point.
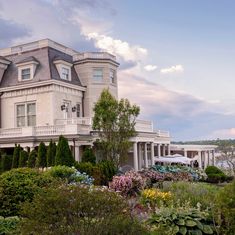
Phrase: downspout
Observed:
(83, 94)
(1, 110)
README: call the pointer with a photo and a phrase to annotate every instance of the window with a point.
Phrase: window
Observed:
(112, 76)
(78, 110)
(65, 73)
(26, 114)
(98, 75)
(25, 74)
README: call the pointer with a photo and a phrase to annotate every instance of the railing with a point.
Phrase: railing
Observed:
(49, 130)
(161, 133)
(93, 55)
(144, 126)
(10, 132)
(69, 121)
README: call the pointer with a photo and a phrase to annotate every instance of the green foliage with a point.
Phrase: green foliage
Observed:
(32, 159)
(115, 122)
(63, 172)
(215, 175)
(86, 167)
(181, 220)
(63, 153)
(41, 159)
(108, 170)
(88, 156)
(193, 193)
(8, 225)
(19, 185)
(16, 156)
(6, 162)
(51, 152)
(78, 210)
(225, 204)
(23, 158)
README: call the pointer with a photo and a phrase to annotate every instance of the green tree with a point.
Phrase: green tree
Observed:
(23, 158)
(16, 156)
(6, 162)
(42, 159)
(115, 122)
(63, 153)
(51, 152)
(32, 159)
(88, 155)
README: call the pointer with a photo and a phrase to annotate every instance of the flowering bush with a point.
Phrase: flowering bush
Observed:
(128, 184)
(81, 178)
(152, 175)
(154, 197)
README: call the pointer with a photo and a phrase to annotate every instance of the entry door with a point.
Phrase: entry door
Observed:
(67, 110)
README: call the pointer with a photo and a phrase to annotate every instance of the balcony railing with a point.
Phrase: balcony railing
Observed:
(93, 55)
(74, 126)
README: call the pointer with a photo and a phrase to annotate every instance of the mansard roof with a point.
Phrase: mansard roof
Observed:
(46, 69)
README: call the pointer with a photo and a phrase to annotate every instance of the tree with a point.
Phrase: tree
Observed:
(51, 152)
(88, 155)
(16, 156)
(63, 153)
(41, 159)
(32, 158)
(6, 162)
(23, 158)
(115, 122)
(227, 157)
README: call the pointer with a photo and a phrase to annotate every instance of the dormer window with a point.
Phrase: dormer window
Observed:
(64, 69)
(27, 68)
(25, 74)
(65, 73)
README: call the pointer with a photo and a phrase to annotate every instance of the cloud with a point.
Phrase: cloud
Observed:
(150, 67)
(11, 31)
(173, 69)
(223, 134)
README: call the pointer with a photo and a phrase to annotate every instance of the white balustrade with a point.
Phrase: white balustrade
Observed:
(144, 126)
(11, 132)
(93, 55)
(78, 121)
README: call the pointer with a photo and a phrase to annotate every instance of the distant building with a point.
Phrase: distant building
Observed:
(48, 89)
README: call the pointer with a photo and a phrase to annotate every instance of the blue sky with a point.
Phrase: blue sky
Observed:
(177, 56)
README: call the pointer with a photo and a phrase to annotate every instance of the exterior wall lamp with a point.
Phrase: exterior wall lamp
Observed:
(63, 107)
(74, 108)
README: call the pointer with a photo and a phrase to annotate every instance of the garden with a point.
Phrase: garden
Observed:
(47, 192)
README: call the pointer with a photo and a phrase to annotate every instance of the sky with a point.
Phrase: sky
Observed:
(176, 56)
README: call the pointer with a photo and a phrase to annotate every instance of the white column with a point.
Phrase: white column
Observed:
(145, 155)
(140, 163)
(135, 155)
(185, 153)
(200, 159)
(152, 154)
(164, 150)
(159, 150)
(168, 149)
(77, 153)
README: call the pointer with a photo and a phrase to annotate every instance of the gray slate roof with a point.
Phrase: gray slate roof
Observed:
(46, 70)
(27, 59)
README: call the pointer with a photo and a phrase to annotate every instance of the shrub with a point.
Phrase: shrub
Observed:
(78, 210)
(23, 158)
(63, 153)
(51, 152)
(6, 162)
(19, 185)
(225, 205)
(16, 156)
(8, 225)
(88, 155)
(108, 170)
(32, 159)
(86, 167)
(215, 175)
(155, 197)
(129, 184)
(41, 159)
(71, 175)
(181, 220)
(193, 193)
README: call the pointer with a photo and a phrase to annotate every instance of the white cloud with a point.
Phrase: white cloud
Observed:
(172, 69)
(223, 133)
(150, 67)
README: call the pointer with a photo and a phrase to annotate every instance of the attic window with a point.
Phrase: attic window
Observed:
(64, 69)
(25, 74)
(65, 73)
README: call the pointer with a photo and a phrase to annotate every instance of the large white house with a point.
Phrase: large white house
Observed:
(48, 89)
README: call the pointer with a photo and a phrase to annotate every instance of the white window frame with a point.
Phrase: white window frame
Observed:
(112, 79)
(60, 65)
(26, 116)
(93, 75)
(68, 109)
(65, 76)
